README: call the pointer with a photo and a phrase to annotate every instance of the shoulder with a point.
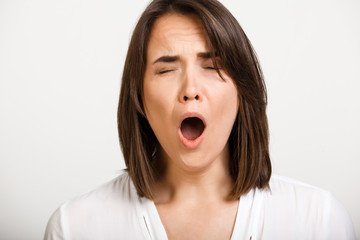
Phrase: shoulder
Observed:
(306, 209)
(281, 186)
(301, 200)
(108, 195)
(101, 213)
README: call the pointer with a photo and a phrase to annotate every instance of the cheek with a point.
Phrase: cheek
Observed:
(227, 105)
(152, 103)
(157, 102)
(151, 100)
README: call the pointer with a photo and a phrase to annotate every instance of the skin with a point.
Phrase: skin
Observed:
(192, 198)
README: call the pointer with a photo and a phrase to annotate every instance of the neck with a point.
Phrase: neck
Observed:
(209, 183)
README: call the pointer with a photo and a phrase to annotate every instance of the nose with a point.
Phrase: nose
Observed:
(190, 88)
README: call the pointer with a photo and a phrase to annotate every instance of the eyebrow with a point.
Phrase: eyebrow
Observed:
(207, 55)
(168, 59)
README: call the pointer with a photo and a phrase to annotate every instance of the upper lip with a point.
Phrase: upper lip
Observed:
(191, 115)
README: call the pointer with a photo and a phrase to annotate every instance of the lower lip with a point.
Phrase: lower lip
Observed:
(191, 144)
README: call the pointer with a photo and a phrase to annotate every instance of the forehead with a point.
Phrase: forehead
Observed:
(181, 22)
(172, 30)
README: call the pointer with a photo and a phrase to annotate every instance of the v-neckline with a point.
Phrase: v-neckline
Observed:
(156, 229)
(248, 221)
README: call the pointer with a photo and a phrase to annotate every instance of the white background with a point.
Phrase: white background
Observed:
(60, 69)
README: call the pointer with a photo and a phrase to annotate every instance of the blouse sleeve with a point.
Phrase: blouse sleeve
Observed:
(54, 229)
(339, 222)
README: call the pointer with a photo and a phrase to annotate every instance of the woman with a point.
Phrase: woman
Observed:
(193, 130)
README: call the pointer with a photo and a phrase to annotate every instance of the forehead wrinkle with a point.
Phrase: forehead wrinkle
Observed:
(188, 32)
(183, 22)
(185, 38)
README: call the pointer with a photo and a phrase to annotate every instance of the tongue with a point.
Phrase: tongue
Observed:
(191, 128)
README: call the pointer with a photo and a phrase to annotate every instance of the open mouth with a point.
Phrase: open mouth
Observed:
(192, 128)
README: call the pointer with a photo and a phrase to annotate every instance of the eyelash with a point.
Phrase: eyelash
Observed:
(170, 70)
(165, 71)
(210, 68)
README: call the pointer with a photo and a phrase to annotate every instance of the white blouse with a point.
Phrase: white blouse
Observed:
(289, 210)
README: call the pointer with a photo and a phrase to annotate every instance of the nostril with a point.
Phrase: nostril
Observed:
(192, 98)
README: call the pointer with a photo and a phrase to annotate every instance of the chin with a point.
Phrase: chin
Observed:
(195, 163)
(195, 160)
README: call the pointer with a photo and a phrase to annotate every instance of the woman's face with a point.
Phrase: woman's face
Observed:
(189, 107)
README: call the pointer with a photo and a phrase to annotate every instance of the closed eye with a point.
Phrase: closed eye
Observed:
(211, 68)
(165, 71)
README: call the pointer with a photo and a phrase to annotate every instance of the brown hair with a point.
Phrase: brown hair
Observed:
(249, 163)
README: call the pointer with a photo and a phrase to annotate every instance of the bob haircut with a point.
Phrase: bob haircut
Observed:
(249, 163)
